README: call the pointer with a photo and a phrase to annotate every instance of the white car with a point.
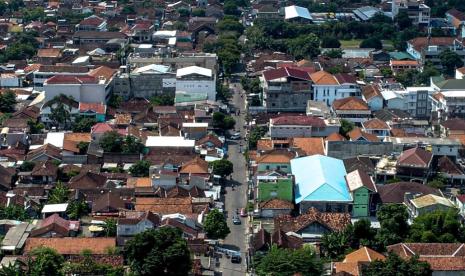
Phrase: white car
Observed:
(235, 136)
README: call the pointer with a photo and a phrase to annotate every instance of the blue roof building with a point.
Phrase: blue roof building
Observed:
(320, 183)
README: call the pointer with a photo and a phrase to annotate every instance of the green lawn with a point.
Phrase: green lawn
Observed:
(350, 43)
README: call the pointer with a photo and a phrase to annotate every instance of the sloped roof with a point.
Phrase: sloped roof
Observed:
(446, 165)
(375, 124)
(295, 12)
(335, 136)
(275, 203)
(454, 124)
(72, 246)
(87, 180)
(415, 157)
(298, 120)
(191, 70)
(357, 179)
(457, 14)
(276, 156)
(47, 149)
(350, 103)
(310, 145)
(323, 78)
(429, 200)
(353, 261)
(195, 166)
(333, 221)
(325, 183)
(357, 133)
(44, 168)
(286, 72)
(109, 202)
(394, 193)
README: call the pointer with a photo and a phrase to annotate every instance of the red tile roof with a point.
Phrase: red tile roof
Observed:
(375, 124)
(371, 91)
(415, 157)
(63, 79)
(298, 120)
(72, 246)
(350, 103)
(285, 73)
(93, 107)
(395, 192)
(357, 134)
(457, 14)
(335, 136)
(421, 42)
(92, 21)
(454, 124)
(309, 145)
(345, 78)
(323, 78)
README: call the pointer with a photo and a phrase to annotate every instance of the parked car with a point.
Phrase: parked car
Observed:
(235, 136)
(243, 212)
(236, 220)
(236, 259)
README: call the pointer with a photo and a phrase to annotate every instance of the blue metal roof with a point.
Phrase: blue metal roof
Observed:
(320, 178)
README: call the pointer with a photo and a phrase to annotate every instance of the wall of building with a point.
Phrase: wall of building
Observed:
(207, 87)
(348, 149)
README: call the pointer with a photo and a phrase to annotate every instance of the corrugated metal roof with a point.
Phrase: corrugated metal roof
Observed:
(296, 11)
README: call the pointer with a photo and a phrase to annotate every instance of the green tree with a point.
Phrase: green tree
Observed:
(256, 134)
(158, 252)
(140, 169)
(35, 127)
(230, 24)
(77, 209)
(304, 46)
(371, 42)
(335, 245)
(439, 182)
(330, 42)
(223, 121)
(127, 9)
(402, 20)
(110, 227)
(83, 124)
(230, 8)
(13, 211)
(7, 101)
(450, 61)
(198, 12)
(215, 225)
(60, 114)
(46, 261)
(394, 227)
(132, 144)
(222, 167)
(288, 262)
(393, 265)
(346, 127)
(111, 141)
(162, 100)
(437, 226)
(59, 194)
(334, 53)
(115, 101)
(26, 166)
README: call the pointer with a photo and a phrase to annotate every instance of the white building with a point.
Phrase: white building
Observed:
(9, 80)
(327, 87)
(169, 142)
(196, 80)
(92, 88)
(45, 72)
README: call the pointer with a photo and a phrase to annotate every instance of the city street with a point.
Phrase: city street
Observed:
(236, 199)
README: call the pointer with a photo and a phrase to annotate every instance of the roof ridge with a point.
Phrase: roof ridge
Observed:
(458, 249)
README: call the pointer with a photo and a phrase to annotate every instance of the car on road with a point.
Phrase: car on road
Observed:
(235, 136)
(236, 259)
(243, 212)
(236, 220)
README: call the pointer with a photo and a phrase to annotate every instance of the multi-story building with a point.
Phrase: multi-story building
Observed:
(302, 126)
(425, 49)
(448, 101)
(352, 109)
(47, 71)
(417, 101)
(417, 11)
(196, 80)
(92, 23)
(327, 87)
(286, 89)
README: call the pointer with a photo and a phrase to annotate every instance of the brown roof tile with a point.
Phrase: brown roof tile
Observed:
(375, 124)
(350, 103)
(298, 120)
(395, 192)
(71, 246)
(357, 134)
(310, 145)
(108, 203)
(44, 168)
(275, 203)
(454, 124)
(335, 136)
(276, 156)
(323, 78)
(195, 166)
(415, 157)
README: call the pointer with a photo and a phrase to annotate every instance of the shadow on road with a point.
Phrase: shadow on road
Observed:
(231, 247)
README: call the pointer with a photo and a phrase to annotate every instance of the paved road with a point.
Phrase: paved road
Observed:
(236, 199)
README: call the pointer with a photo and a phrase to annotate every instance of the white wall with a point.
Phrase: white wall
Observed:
(89, 93)
(10, 82)
(198, 87)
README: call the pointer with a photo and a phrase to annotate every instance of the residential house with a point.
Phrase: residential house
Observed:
(267, 12)
(92, 88)
(414, 163)
(72, 246)
(43, 153)
(44, 72)
(437, 146)
(108, 204)
(457, 19)
(275, 207)
(135, 222)
(262, 240)
(352, 109)
(276, 160)
(353, 262)
(286, 89)
(44, 172)
(328, 88)
(308, 146)
(453, 126)
(372, 95)
(68, 103)
(358, 135)
(443, 258)
(55, 227)
(325, 188)
(92, 23)
(377, 127)
(97, 39)
(312, 225)
(302, 126)
(451, 171)
(426, 204)
(362, 189)
(395, 192)
(425, 49)
(87, 180)
(196, 80)
(418, 12)
(48, 56)
(16, 237)
(403, 65)
(93, 110)
(297, 14)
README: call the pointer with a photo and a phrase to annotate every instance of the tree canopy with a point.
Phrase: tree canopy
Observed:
(160, 251)
(288, 262)
(371, 42)
(222, 167)
(394, 227)
(215, 225)
(450, 61)
(393, 265)
(437, 226)
(140, 169)
(112, 141)
(330, 42)
(223, 121)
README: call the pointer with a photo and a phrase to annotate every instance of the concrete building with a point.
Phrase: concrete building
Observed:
(196, 80)
(424, 49)
(302, 126)
(92, 23)
(286, 89)
(328, 88)
(47, 71)
(417, 11)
